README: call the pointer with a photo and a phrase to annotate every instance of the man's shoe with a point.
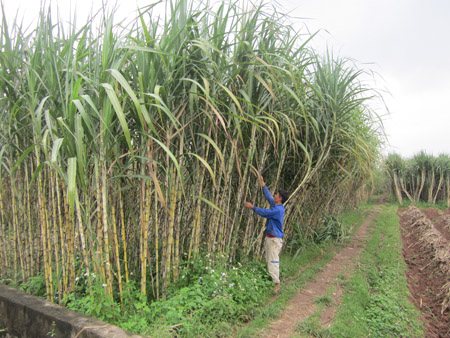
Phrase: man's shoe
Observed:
(276, 289)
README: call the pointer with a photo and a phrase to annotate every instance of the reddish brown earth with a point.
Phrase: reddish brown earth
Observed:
(426, 274)
(302, 305)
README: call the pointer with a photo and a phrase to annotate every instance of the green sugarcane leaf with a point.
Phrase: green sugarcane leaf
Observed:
(140, 108)
(216, 147)
(207, 166)
(55, 150)
(21, 158)
(85, 116)
(37, 171)
(173, 158)
(233, 97)
(71, 184)
(120, 114)
(211, 204)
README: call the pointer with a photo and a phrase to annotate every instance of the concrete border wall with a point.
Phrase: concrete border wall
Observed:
(28, 316)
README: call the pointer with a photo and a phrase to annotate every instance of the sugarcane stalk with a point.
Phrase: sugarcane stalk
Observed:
(155, 218)
(106, 261)
(124, 238)
(14, 226)
(82, 238)
(21, 247)
(69, 244)
(63, 247)
(117, 256)
(144, 234)
(48, 248)
(170, 238)
(30, 234)
(176, 250)
(55, 226)
(3, 240)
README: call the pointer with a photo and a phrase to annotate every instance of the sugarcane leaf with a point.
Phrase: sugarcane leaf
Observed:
(71, 178)
(207, 166)
(85, 116)
(211, 204)
(233, 97)
(162, 106)
(172, 157)
(140, 108)
(55, 150)
(37, 171)
(21, 158)
(120, 114)
(216, 147)
(39, 111)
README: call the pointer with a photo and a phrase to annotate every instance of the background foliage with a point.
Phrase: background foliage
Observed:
(422, 178)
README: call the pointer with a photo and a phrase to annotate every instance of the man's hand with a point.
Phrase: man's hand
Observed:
(248, 205)
(261, 180)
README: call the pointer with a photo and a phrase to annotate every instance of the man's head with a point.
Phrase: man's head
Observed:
(281, 196)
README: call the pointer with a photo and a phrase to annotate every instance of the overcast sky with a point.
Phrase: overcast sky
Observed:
(402, 41)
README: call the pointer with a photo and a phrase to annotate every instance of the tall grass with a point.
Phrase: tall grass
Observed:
(127, 150)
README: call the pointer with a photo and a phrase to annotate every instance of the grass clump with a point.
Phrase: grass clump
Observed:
(324, 300)
(311, 328)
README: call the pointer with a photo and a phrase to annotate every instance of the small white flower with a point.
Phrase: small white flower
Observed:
(104, 285)
(212, 270)
(231, 285)
(200, 278)
(77, 279)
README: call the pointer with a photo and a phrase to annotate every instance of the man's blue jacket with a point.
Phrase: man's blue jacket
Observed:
(274, 215)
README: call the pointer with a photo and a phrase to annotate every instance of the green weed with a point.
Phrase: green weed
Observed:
(311, 328)
(324, 300)
(34, 285)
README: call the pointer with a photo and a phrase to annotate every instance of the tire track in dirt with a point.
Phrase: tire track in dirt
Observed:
(302, 305)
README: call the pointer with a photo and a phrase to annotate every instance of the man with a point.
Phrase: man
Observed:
(274, 229)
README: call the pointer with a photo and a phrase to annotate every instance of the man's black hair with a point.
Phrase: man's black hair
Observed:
(284, 195)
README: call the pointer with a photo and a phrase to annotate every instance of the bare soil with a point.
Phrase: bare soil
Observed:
(302, 305)
(426, 272)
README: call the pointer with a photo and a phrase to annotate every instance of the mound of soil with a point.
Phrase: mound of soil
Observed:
(426, 251)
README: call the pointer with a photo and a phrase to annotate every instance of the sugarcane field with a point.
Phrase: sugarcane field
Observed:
(200, 170)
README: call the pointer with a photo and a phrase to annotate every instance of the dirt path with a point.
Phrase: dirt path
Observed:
(302, 305)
